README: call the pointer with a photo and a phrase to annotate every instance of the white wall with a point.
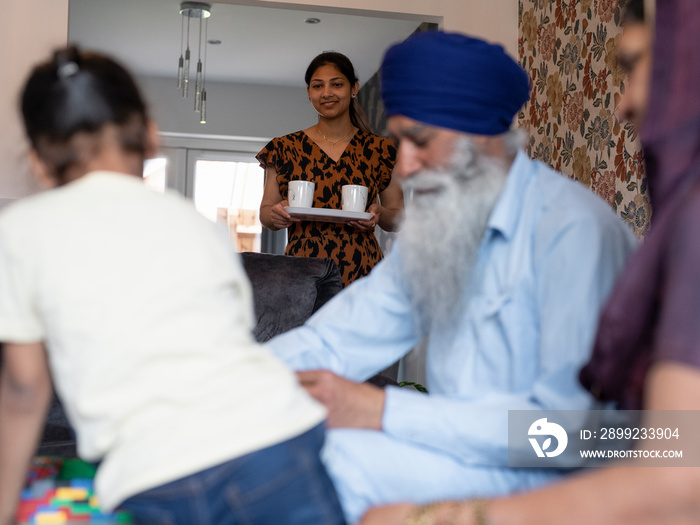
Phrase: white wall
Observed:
(232, 109)
(493, 20)
(29, 29)
(266, 111)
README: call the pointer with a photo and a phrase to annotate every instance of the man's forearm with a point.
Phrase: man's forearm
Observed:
(22, 416)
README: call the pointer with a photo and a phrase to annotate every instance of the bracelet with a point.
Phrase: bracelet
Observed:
(427, 514)
(422, 515)
(479, 511)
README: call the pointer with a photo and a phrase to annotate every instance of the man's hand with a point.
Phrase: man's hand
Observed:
(349, 404)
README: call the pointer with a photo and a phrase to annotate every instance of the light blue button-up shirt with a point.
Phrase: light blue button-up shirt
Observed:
(546, 265)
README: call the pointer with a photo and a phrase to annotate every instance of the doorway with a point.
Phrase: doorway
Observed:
(226, 187)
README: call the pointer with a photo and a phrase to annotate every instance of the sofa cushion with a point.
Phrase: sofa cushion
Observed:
(287, 290)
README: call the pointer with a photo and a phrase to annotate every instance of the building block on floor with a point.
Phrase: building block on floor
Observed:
(61, 491)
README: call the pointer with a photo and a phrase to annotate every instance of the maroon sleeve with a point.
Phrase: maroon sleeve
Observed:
(677, 334)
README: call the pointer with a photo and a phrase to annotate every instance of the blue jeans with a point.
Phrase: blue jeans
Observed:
(282, 484)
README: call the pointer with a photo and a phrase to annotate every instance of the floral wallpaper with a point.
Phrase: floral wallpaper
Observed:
(568, 47)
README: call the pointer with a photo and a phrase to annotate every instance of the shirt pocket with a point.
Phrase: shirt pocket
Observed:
(515, 326)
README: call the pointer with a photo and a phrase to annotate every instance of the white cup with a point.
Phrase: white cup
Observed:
(301, 194)
(354, 197)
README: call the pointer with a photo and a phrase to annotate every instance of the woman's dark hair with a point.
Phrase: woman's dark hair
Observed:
(79, 93)
(342, 64)
(632, 12)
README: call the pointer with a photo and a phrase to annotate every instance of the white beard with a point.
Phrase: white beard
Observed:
(445, 223)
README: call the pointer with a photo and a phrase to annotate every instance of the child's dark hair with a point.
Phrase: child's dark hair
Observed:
(80, 93)
(342, 64)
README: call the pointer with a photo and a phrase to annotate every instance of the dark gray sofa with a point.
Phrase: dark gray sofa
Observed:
(287, 290)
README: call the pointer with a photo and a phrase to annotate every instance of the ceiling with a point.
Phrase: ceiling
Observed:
(260, 45)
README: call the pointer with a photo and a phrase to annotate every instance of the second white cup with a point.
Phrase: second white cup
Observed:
(301, 194)
(354, 197)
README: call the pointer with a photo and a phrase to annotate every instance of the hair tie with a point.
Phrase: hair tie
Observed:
(67, 69)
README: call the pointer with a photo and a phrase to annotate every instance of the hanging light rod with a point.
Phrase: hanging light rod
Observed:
(199, 11)
(195, 9)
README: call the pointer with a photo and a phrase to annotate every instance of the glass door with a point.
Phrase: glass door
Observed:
(166, 170)
(227, 188)
(154, 173)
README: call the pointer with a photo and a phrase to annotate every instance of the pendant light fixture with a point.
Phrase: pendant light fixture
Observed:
(201, 12)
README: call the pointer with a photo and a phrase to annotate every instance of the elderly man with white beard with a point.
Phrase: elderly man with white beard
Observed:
(502, 265)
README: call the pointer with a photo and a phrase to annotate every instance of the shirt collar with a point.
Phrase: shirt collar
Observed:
(504, 217)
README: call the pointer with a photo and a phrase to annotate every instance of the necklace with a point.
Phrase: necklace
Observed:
(329, 140)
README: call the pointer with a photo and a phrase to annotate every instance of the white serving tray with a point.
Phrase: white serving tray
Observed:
(327, 214)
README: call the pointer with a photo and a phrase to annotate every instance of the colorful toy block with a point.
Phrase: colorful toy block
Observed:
(61, 491)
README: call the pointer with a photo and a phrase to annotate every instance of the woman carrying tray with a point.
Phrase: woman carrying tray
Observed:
(340, 149)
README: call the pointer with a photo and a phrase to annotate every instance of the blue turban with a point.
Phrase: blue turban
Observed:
(453, 81)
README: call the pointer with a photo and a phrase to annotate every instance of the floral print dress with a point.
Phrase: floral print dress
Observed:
(368, 160)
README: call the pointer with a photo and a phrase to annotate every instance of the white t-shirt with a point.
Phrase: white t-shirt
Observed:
(147, 314)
